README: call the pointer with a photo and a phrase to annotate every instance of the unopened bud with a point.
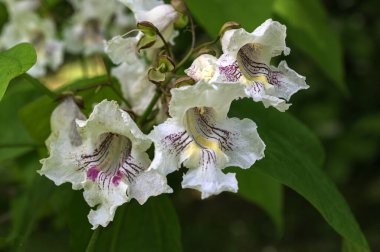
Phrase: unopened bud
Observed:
(181, 21)
(179, 6)
(228, 26)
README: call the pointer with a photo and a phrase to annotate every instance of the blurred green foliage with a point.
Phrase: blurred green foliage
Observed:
(333, 43)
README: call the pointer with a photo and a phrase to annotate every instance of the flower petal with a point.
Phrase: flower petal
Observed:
(147, 184)
(209, 180)
(106, 201)
(108, 117)
(204, 95)
(169, 140)
(271, 35)
(63, 144)
(247, 146)
(136, 87)
(122, 50)
(288, 81)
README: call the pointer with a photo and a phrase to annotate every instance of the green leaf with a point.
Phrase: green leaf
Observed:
(36, 115)
(3, 15)
(14, 62)
(13, 134)
(157, 220)
(212, 14)
(310, 31)
(263, 190)
(153, 226)
(27, 208)
(294, 157)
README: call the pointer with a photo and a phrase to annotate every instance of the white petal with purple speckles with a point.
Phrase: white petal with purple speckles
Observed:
(110, 160)
(202, 138)
(246, 60)
(60, 166)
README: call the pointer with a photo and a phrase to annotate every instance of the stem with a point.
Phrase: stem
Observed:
(149, 109)
(190, 52)
(92, 242)
(104, 84)
(167, 47)
(207, 44)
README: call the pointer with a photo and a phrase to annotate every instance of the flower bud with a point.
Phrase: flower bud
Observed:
(228, 26)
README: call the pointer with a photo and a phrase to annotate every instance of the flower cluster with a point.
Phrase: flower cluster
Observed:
(106, 154)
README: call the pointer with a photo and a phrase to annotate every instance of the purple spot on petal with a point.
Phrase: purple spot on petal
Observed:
(93, 173)
(116, 179)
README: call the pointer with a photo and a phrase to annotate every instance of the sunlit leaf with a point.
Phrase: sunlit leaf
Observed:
(294, 157)
(14, 62)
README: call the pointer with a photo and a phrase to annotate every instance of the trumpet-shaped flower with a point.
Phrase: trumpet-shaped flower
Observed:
(246, 59)
(89, 26)
(105, 155)
(201, 137)
(132, 70)
(135, 86)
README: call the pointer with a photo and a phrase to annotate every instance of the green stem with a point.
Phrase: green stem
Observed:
(190, 52)
(93, 239)
(167, 47)
(206, 44)
(104, 84)
(150, 107)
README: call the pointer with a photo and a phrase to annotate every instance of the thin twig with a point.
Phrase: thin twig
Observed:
(167, 47)
(190, 52)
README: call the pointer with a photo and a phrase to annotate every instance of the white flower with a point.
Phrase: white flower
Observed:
(246, 59)
(135, 86)
(88, 28)
(105, 155)
(156, 12)
(26, 26)
(163, 16)
(204, 139)
(132, 70)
